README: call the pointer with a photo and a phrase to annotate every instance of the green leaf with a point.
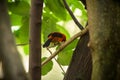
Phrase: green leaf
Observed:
(15, 20)
(78, 4)
(26, 49)
(28, 1)
(72, 45)
(70, 1)
(64, 57)
(48, 25)
(47, 67)
(63, 30)
(57, 8)
(22, 8)
(16, 35)
(24, 30)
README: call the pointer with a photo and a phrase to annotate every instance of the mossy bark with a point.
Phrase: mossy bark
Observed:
(104, 29)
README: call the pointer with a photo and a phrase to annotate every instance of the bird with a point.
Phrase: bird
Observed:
(54, 39)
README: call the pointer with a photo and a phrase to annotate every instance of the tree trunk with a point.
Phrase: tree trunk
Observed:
(35, 39)
(104, 28)
(81, 64)
(12, 65)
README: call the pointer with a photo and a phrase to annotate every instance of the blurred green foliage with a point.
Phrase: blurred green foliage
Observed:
(46, 68)
(53, 12)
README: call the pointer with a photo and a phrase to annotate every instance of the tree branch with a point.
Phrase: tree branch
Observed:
(65, 44)
(34, 34)
(72, 15)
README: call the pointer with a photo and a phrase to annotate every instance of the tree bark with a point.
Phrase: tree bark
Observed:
(12, 65)
(81, 64)
(35, 39)
(104, 28)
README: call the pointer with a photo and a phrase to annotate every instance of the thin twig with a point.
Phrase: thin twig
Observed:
(57, 62)
(72, 15)
(22, 44)
(65, 44)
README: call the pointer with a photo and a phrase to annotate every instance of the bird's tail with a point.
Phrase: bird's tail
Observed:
(47, 43)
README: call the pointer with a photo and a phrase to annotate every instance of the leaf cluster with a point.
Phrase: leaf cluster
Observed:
(54, 13)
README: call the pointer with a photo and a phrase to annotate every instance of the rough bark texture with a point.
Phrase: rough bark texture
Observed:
(81, 64)
(35, 46)
(104, 28)
(12, 65)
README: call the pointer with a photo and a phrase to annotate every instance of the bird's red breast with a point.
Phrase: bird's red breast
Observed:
(54, 39)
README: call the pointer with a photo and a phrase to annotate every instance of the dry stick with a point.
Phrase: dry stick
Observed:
(64, 45)
(72, 15)
(57, 61)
